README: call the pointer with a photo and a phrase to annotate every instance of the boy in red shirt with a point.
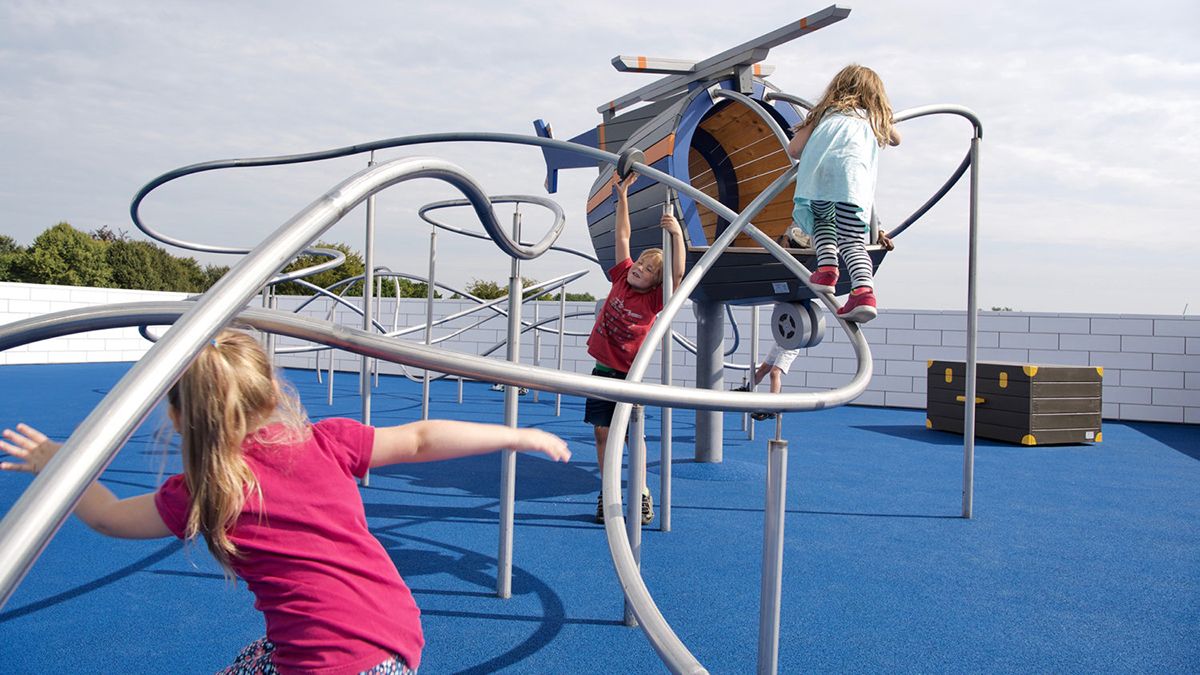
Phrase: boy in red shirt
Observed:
(625, 319)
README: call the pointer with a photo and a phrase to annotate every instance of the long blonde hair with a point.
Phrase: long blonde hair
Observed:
(229, 392)
(856, 88)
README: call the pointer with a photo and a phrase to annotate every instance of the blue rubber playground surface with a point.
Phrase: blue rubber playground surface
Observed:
(1079, 558)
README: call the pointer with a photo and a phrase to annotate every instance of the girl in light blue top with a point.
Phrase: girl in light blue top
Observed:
(838, 148)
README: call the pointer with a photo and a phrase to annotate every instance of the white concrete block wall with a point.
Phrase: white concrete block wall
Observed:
(23, 301)
(1151, 363)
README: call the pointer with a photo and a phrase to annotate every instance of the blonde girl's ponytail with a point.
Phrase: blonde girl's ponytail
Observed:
(857, 88)
(227, 394)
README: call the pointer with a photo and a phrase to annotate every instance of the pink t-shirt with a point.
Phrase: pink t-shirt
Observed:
(332, 598)
(624, 320)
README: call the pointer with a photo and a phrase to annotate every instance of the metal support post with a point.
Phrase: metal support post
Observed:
(271, 301)
(968, 491)
(429, 317)
(772, 559)
(537, 340)
(665, 443)
(508, 458)
(635, 482)
(364, 373)
(710, 337)
(754, 318)
(562, 320)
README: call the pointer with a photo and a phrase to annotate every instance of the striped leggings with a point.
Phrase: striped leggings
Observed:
(838, 228)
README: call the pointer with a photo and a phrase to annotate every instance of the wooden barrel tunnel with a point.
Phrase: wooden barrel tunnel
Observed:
(726, 150)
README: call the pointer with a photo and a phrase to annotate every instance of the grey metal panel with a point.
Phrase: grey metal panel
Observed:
(748, 277)
(746, 53)
(622, 127)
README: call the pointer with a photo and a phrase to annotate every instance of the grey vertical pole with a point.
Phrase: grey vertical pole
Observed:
(271, 301)
(364, 382)
(710, 336)
(378, 313)
(633, 492)
(562, 321)
(537, 340)
(665, 443)
(330, 350)
(460, 383)
(429, 316)
(968, 492)
(770, 592)
(508, 458)
(754, 318)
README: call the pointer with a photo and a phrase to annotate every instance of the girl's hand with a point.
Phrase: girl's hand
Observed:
(31, 446)
(622, 185)
(536, 440)
(886, 241)
(668, 223)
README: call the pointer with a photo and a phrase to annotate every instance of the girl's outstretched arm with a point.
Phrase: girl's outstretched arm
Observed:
(796, 146)
(622, 228)
(132, 518)
(434, 440)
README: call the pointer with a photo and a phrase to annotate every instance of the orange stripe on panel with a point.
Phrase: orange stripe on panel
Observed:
(600, 136)
(642, 62)
(661, 149)
(758, 69)
(803, 24)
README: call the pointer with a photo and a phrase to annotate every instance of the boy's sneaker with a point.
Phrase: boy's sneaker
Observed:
(762, 415)
(859, 307)
(600, 507)
(744, 387)
(647, 507)
(824, 279)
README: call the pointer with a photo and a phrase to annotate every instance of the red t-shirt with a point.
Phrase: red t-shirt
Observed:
(332, 598)
(624, 320)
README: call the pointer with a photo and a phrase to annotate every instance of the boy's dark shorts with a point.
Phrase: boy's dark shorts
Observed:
(598, 412)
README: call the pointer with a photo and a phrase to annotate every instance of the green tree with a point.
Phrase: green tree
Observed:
(147, 266)
(571, 297)
(408, 289)
(64, 255)
(11, 254)
(487, 290)
(352, 267)
(211, 275)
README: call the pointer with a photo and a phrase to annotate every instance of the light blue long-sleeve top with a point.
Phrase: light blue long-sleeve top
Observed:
(839, 163)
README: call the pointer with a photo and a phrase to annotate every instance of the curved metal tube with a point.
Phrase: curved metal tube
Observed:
(796, 101)
(923, 111)
(500, 199)
(414, 354)
(482, 206)
(41, 509)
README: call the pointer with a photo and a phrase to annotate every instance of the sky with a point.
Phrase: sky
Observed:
(1090, 115)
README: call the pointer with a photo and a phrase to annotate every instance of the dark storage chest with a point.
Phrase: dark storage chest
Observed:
(1018, 402)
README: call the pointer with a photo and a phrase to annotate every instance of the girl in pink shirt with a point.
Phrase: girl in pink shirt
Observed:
(276, 500)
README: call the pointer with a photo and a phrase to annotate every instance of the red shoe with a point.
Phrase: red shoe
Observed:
(859, 307)
(824, 279)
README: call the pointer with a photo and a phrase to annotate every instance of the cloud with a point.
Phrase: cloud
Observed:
(1088, 110)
